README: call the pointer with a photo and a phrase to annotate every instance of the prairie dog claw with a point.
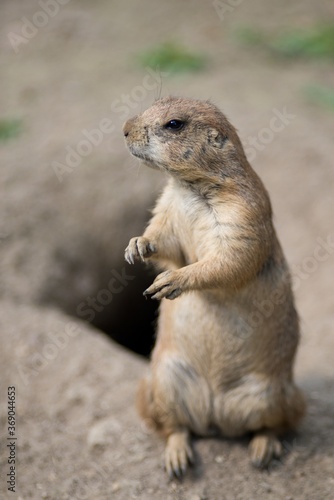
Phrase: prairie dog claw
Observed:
(139, 248)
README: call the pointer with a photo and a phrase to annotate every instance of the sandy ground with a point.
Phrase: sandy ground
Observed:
(70, 75)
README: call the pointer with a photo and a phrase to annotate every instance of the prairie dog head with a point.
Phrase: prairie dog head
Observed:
(185, 137)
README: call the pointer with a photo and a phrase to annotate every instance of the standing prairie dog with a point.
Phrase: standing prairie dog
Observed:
(223, 359)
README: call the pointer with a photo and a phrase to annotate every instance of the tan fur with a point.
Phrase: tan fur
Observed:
(225, 347)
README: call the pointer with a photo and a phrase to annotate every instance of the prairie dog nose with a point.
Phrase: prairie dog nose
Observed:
(128, 125)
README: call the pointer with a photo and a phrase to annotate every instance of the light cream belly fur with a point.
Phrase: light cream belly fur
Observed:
(203, 369)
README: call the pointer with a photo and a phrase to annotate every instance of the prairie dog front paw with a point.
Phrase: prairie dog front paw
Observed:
(139, 248)
(167, 284)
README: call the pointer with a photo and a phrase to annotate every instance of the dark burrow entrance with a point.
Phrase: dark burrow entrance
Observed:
(84, 282)
(130, 319)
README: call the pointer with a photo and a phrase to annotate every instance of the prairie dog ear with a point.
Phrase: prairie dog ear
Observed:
(216, 138)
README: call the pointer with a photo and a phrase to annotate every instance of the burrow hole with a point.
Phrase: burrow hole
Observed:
(79, 284)
(131, 319)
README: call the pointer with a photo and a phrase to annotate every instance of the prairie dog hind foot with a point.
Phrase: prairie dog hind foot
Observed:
(264, 447)
(178, 453)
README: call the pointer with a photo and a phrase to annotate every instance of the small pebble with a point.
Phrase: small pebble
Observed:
(115, 487)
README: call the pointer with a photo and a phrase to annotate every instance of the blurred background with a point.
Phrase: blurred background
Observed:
(71, 196)
(73, 72)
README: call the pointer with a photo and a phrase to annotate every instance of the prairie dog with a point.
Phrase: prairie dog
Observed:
(228, 329)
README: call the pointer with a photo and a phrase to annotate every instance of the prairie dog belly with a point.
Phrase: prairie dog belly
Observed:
(208, 336)
(226, 337)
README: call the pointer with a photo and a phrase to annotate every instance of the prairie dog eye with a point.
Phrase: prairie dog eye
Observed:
(174, 125)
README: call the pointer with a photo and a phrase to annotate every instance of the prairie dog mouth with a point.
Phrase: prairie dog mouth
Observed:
(138, 154)
(141, 155)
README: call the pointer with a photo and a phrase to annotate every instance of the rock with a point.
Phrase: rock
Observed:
(104, 433)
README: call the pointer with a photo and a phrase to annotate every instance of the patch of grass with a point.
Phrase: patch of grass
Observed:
(317, 42)
(250, 36)
(320, 95)
(172, 58)
(9, 129)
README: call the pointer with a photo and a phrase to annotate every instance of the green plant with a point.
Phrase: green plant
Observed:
(172, 58)
(9, 128)
(320, 95)
(311, 43)
(316, 42)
